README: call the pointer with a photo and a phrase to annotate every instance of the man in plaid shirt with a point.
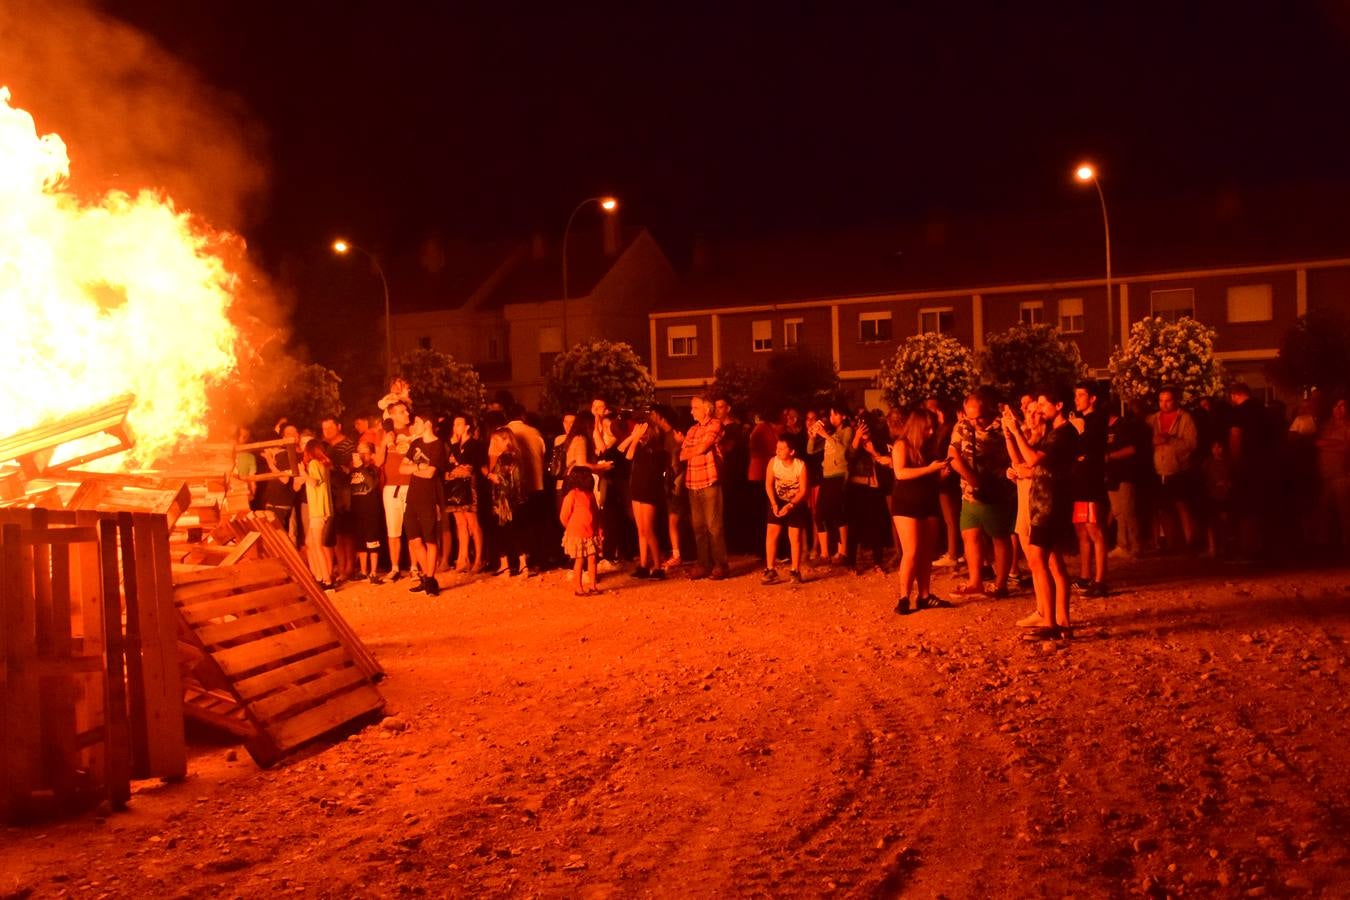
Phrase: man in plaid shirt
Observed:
(700, 454)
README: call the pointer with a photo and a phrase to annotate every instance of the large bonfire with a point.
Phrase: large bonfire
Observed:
(101, 298)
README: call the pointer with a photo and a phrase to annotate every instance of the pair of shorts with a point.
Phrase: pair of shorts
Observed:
(798, 517)
(1087, 512)
(395, 500)
(830, 504)
(1179, 488)
(423, 523)
(1055, 533)
(994, 519)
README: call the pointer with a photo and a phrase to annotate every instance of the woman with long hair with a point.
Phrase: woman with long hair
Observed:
(464, 454)
(915, 509)
(322, 537)
(645, 449)
(865, 504)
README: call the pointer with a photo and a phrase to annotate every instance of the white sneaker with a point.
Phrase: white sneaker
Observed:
(945, 561)
(606, 566)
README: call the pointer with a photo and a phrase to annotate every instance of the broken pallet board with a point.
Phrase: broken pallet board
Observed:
(283, 662)
(34, 449)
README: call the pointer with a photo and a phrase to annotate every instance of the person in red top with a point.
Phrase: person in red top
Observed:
(389, 457)
(580, 515)
(700, 454)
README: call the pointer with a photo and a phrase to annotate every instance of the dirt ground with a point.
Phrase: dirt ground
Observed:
(699, 738)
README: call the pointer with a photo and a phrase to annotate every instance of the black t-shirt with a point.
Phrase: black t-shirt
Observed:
(1127, 431)
(341, 455)
(279, 492)
(365, 481)
(1088, 475)
(424, 493)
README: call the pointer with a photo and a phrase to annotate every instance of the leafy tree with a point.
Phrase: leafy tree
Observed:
(305, 394)
(794, 377)
(1314, 353)
(608, 369)
(739, 383)
(1027, 356)
(1159, 352)
(439, 384)
(928, 365)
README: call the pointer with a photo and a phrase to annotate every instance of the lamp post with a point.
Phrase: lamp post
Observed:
(342, 248)
(1084, 173)
(608, 204)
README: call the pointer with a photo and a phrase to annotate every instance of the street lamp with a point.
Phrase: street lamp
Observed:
(342, 248)
(1087, 172)
(609, 205)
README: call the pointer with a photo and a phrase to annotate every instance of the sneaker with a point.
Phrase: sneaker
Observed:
(673, 563)
(902, 607)
(432, 586)
(1096, 589)
(606, 565)
(359, 576)
(658, 575)
(931, 602)
(418, 588)
(795, 576)
(642, 572)
(965, 590)
(945, 561)
(770, 576)
(376, 579)
(1082, 583)
(396, 575)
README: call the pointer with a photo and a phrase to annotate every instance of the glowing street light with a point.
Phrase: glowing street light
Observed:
(342, 247)
(609, 205)
(1085, 173)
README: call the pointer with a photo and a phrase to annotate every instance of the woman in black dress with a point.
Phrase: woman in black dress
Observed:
(464, 455)
(645, 449)
(919, 469)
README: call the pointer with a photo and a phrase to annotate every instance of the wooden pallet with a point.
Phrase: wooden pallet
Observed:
(34, 449)
(285, 660)
(89, 688)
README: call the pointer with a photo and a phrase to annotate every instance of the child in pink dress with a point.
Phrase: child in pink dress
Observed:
(579, 516)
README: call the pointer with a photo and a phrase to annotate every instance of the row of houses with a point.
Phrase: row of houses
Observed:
(849, 298)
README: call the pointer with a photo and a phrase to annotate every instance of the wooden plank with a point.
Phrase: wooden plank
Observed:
(210, 635)
(58, 693)
(117, 758)
(87, 602)
(238, 660)
(217, 710)
(338, 711)
(239, 604)
(284, 703)
(164, 685)
(18, 699)
(48, 537)
(256, 685)
(241, 549)
(135, 690)
(201, 586)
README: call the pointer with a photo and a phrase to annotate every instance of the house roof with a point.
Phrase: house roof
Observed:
(962, 254)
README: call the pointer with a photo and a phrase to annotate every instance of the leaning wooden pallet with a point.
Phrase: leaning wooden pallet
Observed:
(289, 670)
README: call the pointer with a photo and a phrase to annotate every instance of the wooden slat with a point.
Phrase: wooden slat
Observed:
(338, 711)
(237, 660)
(257, 685)
(163, 684)
(239, 604)
(241, 549)
(307, 694)
(253, 624)
(135, 691)
(19, 749)
(87, 602)
(51, 536)
(117, 756)
(58, 694)
(201, 586)
(218, 710)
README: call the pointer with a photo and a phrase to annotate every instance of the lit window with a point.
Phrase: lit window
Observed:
(874, 326)
(682, 340)
(1071, 315)
(1249, 303)
(792, 332)
(1172, 305)
(938, 320)
(761, 335)
(1031, 312)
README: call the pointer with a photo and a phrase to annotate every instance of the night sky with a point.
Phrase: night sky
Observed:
(391, 121)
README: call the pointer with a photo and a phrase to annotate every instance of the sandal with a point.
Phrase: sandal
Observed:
(1043, 633)
(968, 590)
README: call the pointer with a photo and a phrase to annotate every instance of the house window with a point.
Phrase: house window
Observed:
(424, 343)
(1249, 303)
(761, 335)
(874, 326)
(682, 340)
(1172, 305)
(1071, 315)
(1031, 312)
(938, 320)
(792, 332)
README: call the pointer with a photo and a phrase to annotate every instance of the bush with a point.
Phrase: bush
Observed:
(608, 369)
(1178, 354)
(1027, 356)
(440, 385)
(739, 383)
(928, 365)
(306, 396)
(1314, 354)
(794, 377)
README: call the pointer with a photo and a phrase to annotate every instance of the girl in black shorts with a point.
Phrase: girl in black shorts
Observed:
(785, 481)
(915, 507)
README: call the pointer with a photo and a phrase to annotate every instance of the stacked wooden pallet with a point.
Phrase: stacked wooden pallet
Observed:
(90, 694)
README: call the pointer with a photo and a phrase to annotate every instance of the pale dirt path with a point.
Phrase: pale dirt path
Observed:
(701, 739)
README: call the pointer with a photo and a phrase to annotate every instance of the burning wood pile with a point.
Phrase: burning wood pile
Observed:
(131, 600)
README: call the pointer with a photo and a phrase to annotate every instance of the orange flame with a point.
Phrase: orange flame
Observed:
(121, 296)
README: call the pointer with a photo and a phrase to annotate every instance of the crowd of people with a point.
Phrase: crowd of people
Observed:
(1042, 490)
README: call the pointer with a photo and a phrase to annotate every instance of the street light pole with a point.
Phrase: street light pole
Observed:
(342, 247)
(1088, 172)
(608, 204)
